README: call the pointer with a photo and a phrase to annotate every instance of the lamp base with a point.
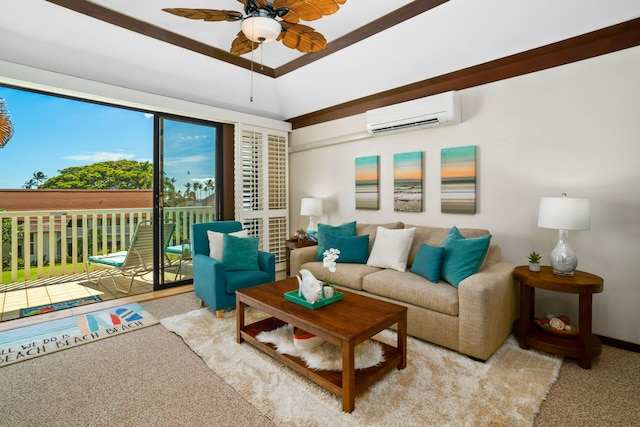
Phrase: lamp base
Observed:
(563, 259)
(312, 230)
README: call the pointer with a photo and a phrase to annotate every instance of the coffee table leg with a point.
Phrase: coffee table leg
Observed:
(348, 377)
(402, 340)
(239, 319)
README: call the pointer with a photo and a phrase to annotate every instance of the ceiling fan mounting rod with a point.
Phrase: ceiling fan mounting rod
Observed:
(253, 9)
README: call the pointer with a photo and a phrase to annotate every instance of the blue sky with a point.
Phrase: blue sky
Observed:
(53, 133)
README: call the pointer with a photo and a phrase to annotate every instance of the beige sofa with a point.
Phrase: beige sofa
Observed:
(473, 319)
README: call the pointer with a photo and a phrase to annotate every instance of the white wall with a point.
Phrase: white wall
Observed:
(572, 129)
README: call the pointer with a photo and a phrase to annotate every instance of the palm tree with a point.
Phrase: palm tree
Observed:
(210, 186)
(30, 184)
(196, 188)
(187, 191)
(6, 127)
(39, 178)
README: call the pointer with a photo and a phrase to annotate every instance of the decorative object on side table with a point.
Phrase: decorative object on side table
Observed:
(557, 325)
(534, 261)
(564, 214)
(300, 235)
(311, 207)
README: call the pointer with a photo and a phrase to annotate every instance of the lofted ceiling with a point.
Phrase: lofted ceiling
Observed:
(373, 46)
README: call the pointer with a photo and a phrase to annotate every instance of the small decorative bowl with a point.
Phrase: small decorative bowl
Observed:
(303, 340)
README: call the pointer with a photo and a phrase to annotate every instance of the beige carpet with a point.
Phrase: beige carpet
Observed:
(438, 387)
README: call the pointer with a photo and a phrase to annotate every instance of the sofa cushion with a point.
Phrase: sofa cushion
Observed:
(240, 253)
(428, 262)
(347, 275)
(434, 236)
(391, 248)
(413, 289)
(352, 249)
(462, 257)
(241, 279)
(345, 230)
(371, 230)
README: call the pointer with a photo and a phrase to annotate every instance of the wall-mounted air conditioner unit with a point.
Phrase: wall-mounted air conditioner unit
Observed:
(438, 110)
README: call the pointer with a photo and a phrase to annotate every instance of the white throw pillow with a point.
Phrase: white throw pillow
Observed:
(216, 242)
(391, 248)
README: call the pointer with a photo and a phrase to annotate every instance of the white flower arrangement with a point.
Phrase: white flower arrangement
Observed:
(330, 256)
(329, 262)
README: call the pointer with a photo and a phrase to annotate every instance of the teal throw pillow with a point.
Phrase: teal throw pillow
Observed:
(352, 249)
(462, 257)
(428, 262)
(240, 253)
(345, 230)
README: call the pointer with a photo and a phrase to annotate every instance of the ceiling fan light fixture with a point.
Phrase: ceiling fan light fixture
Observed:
(261, 29)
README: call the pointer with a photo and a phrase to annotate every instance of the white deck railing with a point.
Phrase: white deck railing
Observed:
(78, 234)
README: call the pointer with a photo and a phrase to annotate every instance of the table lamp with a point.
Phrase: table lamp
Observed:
(312, 207)
(564, 214)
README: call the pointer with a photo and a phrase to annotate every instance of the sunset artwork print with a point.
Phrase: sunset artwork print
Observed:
(367, 195)
(458, 175)
(407, 182)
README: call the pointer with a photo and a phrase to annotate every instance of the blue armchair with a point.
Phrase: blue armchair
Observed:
(215, 286)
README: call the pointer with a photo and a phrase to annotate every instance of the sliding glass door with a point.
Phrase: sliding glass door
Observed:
(186, 189)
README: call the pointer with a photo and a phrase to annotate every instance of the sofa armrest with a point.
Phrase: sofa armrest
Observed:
(489, 304)
(301, 256)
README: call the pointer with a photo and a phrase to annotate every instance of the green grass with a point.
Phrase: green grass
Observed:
(57, 271)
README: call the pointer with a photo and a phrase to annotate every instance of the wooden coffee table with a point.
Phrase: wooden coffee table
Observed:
(344, 323)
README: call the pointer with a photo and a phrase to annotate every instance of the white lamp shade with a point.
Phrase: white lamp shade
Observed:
(261, 29)
(311, 206)
(564, 213)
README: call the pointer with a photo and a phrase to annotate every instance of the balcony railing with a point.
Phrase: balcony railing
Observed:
(59, 243)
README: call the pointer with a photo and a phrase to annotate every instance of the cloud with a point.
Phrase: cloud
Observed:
(177, 161)
(100, 156)
(184, 138)
(203, 180)
(148, 115)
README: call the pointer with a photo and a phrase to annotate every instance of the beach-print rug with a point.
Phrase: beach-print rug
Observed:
(25, 343)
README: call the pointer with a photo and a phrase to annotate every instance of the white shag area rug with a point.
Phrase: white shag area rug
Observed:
(326, 356)
(439, 387)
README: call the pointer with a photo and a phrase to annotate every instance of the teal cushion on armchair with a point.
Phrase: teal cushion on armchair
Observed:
(240, 253)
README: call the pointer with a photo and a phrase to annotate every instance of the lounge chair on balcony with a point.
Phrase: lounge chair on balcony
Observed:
(135, 261)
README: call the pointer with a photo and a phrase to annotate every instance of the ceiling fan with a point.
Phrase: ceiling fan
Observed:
(268, 20)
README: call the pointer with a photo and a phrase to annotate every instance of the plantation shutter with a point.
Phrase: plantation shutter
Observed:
(262, 192)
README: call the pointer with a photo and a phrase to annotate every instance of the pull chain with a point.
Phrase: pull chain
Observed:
(251, 98)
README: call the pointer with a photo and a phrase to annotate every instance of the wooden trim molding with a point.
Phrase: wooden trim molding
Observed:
(600, 42)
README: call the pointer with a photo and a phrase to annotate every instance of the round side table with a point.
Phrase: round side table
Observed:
(585, 346)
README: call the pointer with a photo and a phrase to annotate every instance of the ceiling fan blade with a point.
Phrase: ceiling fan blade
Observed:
(303, 38)
(308, 10)
(241, 45)
(206, 14)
